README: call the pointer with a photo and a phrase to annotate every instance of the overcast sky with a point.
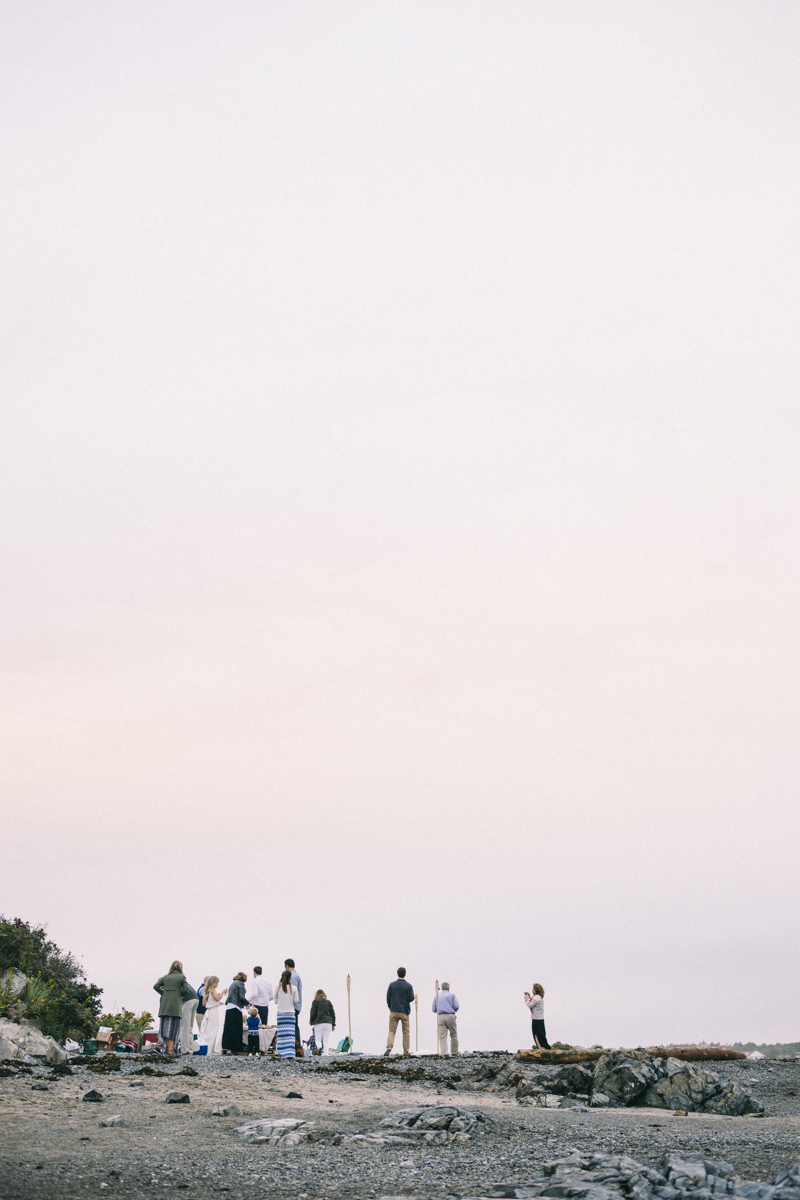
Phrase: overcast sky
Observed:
(399, 481)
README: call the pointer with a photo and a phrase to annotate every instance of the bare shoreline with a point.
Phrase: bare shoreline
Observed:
(53, 1146)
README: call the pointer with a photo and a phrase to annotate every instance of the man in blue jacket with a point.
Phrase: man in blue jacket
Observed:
(399, 995)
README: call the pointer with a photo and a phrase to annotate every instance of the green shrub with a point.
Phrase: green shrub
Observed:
(124, 1021)
(57, 993)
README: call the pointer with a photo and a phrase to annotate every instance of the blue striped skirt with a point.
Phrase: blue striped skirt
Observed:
(286, 1035)
(170, 1029)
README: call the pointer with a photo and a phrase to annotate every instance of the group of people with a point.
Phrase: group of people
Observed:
(222, 1013)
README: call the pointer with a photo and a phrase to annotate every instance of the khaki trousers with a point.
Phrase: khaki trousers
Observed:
(447, 1024)
(402, 1018)
(187, 1024)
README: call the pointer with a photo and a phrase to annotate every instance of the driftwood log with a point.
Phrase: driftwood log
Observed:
(695, 1053)
(687, 1053)
(559, 1056)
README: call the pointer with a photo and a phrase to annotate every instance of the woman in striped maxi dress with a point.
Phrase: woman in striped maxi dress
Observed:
(286, 996)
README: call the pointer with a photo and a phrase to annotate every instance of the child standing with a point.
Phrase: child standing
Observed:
(253, 1026)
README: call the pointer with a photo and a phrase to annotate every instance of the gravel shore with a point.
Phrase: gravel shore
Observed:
(53, 1145)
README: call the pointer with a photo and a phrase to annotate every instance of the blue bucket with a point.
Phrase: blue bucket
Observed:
(202, 1050)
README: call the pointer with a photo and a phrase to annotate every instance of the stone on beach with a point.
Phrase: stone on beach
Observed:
(26, 1044)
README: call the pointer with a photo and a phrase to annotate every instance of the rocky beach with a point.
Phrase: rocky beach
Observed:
(481, 1125)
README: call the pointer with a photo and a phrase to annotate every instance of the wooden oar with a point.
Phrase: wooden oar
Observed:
(437, 1019)
(349, 1022)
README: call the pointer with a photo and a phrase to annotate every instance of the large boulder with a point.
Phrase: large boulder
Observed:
(694, 1088)
(493, 1076)
(625, 1075)
(25, 1042)
(16, 981)
(10, 1052)
(685, 1086)
(578, 1080)
(732, 1101)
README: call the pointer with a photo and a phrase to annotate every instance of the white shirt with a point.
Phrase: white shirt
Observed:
(536, 1005)
(285, 1001)
(260, 992)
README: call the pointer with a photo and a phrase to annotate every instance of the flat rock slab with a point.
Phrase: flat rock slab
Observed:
(226, 1110)
(269, 1123)
(110, 1122)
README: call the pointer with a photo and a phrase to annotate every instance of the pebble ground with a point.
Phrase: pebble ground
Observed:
(51, 1144)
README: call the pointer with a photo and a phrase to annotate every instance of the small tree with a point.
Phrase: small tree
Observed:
(57, 994)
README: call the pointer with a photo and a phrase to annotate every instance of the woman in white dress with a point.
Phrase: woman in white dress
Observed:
(214, 1019)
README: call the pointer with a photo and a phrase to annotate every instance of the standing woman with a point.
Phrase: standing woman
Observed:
(535, 1003)
(232, 1040)
(323, 1019)
(173, 990)
(286, 997)
(211, 1028)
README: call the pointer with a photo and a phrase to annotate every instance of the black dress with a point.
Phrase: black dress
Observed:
(233, 1028)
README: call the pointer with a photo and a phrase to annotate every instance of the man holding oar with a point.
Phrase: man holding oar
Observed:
(399, 995)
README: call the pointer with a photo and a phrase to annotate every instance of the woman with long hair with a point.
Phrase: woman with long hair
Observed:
(535, 1003)
(232, 1033)
(286, 996)
(211, 1028)
(323, 1019)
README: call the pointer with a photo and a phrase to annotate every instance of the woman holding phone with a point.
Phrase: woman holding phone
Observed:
(535, 1003)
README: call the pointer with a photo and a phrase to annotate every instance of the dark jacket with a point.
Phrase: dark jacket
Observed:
(399, 996)
(173, 989)
(322, 1013)
(236, 994)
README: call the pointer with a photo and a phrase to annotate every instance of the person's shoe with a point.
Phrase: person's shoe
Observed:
(386, 1053)
(406, 1054)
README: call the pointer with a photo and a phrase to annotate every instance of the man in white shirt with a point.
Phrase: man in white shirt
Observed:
(261, 994)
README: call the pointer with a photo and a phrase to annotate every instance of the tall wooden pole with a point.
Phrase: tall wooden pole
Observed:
(349, 1022)
(416, 1010)
(437, 1018)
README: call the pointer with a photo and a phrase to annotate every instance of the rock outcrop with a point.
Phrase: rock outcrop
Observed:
(15, 982)
(435, 1124)
(25, 1044)
(589, 1176)
(624, 1078)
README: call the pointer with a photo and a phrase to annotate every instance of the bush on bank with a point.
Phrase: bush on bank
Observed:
(57, 994)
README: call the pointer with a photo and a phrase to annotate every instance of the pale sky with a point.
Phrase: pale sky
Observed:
(399, 477)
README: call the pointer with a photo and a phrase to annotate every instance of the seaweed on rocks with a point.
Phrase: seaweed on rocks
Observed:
(154, 1072)
(59, 1069)
(10, 1070)
(382, 1066)
(101, 1064)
